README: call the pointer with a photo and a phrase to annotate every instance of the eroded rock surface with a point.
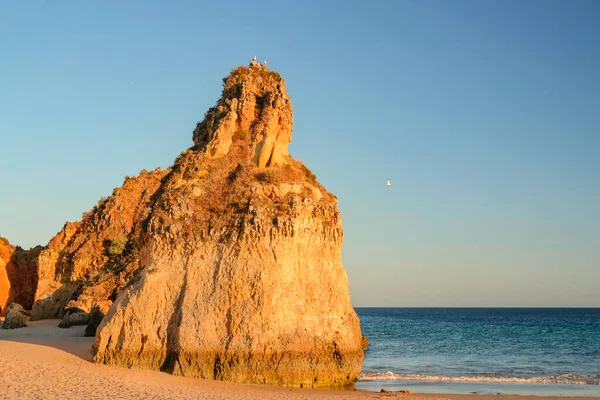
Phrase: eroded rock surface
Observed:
(242, 277)
(254, 108)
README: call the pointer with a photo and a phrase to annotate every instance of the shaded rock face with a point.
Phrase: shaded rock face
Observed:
(242, 277)
(15, 317)
(18, 274)
(92, 260)
(22, 274)
(48, 298)
(97, 314)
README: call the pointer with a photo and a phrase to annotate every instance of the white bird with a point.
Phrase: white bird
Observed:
(388, 183)
(265, 62)
(254, 59)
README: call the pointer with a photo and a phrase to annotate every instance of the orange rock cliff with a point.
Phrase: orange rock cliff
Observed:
(18, 274)
(225, 266)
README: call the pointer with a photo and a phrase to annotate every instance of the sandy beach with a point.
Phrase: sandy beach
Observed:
(43, 361)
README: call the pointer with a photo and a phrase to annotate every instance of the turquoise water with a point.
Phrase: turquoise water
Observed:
(483, 350)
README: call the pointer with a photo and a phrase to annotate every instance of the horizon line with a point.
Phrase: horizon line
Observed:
(485, 307)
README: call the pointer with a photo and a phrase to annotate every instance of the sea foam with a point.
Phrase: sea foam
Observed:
(570, 379)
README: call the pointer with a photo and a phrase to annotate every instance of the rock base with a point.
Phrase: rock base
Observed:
(285, 369)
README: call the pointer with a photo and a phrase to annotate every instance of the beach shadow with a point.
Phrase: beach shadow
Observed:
(47, 333)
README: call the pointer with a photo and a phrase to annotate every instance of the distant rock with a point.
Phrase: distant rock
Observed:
(241, 273)
(15, 317)
(18, 274)
(6, 251)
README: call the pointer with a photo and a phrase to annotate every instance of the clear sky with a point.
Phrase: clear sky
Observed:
(484, 114)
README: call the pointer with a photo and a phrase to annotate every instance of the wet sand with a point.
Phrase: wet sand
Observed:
(43, 361)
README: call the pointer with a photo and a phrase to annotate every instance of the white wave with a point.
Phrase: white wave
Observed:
(570, 379)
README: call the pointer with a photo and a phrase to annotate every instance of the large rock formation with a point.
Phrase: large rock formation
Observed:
(89, 262)
(242, 277)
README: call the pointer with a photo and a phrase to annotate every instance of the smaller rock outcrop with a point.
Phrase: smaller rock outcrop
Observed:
(92, 260)
(15, 317)
(365, 342)
(74, 317)
(255, 105)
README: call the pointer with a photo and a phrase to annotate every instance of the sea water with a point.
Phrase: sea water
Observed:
(527, 351)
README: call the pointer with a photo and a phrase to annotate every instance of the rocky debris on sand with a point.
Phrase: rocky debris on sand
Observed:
(15, 317)
(241, 276)
(74, 317)
(398, 393)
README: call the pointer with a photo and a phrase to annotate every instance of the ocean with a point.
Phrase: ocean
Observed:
(527, 351)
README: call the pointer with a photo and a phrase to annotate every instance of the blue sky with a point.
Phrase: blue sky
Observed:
(484, 114)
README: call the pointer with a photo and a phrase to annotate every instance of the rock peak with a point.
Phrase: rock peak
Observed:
(254, 107)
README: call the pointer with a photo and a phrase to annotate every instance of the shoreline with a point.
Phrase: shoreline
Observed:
(44, 361)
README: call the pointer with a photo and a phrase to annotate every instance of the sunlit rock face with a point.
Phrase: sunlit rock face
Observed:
(241, 276)
(255, 108)
(6, 251)
(88, 262)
